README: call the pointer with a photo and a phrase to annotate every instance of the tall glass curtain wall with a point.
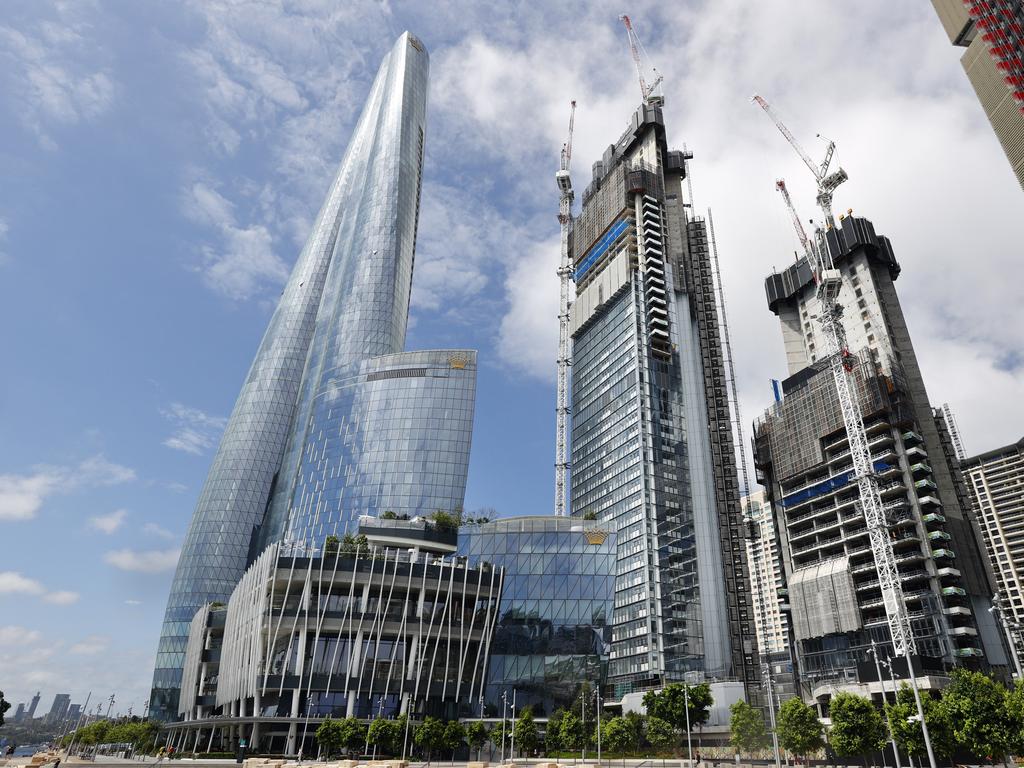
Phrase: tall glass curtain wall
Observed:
(365, 303)
(391, 436)
(376, 186)
(554, 627)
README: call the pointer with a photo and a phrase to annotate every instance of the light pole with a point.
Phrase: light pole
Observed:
(873, 650)
(689, 743)
(512, 746)
(504, 714)
(583, 720)
(767, 669)
(920, 709)
(597, 700)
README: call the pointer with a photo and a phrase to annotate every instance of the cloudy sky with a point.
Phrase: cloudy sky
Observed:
(161, 164)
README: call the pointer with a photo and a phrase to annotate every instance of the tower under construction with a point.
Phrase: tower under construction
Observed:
(803, 457)
(652, 444)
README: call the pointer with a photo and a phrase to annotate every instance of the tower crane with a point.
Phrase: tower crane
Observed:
(647, 92)
(827, 182)
(566, 196)
(828, 281)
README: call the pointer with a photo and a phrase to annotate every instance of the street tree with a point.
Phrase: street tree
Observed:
(476, 736)
(906, 727)
(430, 735)
(572, 732)
(748, 732)
(670, 703)
(798, 728)
(387, 734)
(329, 737)
(525, 731)
(616, 735)
(660, 734)
(1015, 717)
(635, 722)
(977, 706)
(454, 736)
(858, 729)
(4, 706)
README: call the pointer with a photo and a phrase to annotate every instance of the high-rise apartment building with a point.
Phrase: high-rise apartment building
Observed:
(652, 446)
(996, 482)
(993, 34)
(59, 708)
(770, 620)
(803, 459)
(334, 420)
(32, 707)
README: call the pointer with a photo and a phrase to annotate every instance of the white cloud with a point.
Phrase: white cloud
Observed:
(90, 646)
(14, 635)
(156, 530)
(61, 597)
(194, 431)
(108, 523)
(21, 496)
(14, 583)
(244, 263)
(150, 561)
(51, 76)
(528, 336)
(133, 602)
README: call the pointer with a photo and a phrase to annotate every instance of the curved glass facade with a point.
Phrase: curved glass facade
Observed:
(348, 292)
(365, 303)
(393, 434)
(554, 627)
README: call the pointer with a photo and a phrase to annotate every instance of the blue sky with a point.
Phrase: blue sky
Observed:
(161, 164)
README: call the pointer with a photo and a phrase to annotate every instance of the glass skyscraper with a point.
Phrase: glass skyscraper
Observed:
(652, 446)
(554, 624)
(305, 436)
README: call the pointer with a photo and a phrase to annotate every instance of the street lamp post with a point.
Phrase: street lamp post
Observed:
(597, 698)
(512, 745)
(767, 669)
(504, 715)
(920, 708)
(888, 723)
(305, 725)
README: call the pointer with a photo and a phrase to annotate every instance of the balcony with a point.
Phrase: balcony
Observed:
(910, 436)
(939, 536)
(957, 610)
(943, 553)
(962, 652)
(934, 517)
(917, 452)
(947, 572)
(963, 632)
(929, 500)
(954, 591)
(926, 485)
(921, 468)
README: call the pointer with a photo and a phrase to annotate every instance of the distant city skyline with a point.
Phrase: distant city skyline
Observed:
(180, 216)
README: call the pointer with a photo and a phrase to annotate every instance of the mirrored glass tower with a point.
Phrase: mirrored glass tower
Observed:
(330, 383)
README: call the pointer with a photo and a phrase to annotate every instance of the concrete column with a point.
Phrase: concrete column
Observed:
(290, 748)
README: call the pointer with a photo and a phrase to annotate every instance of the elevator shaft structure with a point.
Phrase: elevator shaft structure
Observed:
(566, 196)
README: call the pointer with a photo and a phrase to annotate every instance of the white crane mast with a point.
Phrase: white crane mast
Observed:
(636, 49)
(566, 196)
(954, 432)
(827, 182)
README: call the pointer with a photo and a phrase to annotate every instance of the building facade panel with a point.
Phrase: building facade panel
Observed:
(553, 631)
(389, 434)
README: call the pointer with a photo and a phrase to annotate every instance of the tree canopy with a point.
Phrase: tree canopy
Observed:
(659, 733)
(430, 735)
(387, 735)
(857, 726)
(798, 728)
(977, 706)
(906, 727)
(476, 735)
(525, 732)
(670, 704)
(748, 732)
